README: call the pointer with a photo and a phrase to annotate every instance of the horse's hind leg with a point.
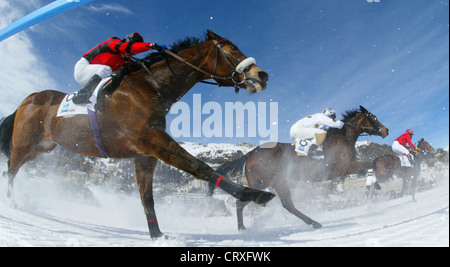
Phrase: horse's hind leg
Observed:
(21, 155)
(285, 196)
(16, 160)
(240, 205)
(406, 174)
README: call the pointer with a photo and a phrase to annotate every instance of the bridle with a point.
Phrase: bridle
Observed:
(238, 67)
(368, 129)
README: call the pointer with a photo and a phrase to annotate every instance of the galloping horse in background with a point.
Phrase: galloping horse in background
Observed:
(425, 147)
(132, 120)
(386, 166)
(279, 164)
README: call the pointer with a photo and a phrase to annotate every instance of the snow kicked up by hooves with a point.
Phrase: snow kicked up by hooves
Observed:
(46, 215)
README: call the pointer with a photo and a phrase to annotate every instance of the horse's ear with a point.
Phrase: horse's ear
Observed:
(363, 109)
(213, 36)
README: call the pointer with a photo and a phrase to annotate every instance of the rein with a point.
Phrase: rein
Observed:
(378, 129)
(212, 76)
(239, 69)
(359, 126)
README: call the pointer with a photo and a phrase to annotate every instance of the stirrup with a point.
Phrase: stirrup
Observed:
(82, 97)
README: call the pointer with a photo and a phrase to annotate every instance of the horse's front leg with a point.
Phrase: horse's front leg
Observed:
(285, 196)
(145, 167)
(156, 142)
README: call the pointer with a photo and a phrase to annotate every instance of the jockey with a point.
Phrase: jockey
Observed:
(107, 59)
(313, 129)
(400, 145)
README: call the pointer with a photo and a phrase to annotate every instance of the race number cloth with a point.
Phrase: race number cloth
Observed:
(404, 161)
(68, 108)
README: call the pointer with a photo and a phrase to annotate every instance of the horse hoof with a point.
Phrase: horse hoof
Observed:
(242, 229)
(264, 198)
(12, 204)
(159, 236)
(316, 225)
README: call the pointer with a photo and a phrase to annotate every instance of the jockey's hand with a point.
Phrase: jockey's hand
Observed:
(160, 48)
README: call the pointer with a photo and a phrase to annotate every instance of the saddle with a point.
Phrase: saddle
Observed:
(104, 86)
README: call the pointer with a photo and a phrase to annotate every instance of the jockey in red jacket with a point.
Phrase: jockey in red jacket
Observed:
(107, 59)
(400, 144)
(405, 139)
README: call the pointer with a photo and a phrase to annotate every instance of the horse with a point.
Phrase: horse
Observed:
(277, 164)
(425, 147)
(388, 165)
(132, 120)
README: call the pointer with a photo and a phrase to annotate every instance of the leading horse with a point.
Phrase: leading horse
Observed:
(132, 121)
(279, 166)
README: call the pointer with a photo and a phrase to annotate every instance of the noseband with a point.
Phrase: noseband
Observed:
(232, 62)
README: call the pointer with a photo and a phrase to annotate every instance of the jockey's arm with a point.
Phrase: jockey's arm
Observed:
(332, 123)
(127, 47)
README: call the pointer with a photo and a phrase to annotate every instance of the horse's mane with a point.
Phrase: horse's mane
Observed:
(348, 115)
(176, 47)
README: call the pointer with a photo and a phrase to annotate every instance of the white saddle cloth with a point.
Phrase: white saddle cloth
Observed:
(68, 108)
(404, 161)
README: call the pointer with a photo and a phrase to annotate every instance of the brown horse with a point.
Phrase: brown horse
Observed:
(279, 166)
(386, 166)
(132, 120)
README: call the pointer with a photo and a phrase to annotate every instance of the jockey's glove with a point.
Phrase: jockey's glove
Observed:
(160, 48)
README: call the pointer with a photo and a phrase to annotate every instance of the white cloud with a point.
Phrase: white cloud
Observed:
(110, 8)
(22, 72)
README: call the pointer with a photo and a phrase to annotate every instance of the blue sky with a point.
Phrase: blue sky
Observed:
(391, 57)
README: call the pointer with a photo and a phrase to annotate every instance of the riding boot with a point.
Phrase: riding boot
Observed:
(82, 97)
(116, 79)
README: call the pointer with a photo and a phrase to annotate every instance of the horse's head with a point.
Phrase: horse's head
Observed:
(425, 146)
(368, 123)
(234, 68)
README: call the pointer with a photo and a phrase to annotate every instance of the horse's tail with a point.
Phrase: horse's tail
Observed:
(230, 168)
(234, 167)
(6, 132)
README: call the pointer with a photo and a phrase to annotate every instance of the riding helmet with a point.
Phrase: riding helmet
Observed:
(330, 113)
(134, 37)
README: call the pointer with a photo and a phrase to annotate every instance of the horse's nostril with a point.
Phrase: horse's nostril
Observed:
(263, 76)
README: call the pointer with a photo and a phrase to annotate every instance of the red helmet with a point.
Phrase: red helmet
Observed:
(410, 131)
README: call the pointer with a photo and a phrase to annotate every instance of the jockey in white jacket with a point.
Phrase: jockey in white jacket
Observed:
(312, 130)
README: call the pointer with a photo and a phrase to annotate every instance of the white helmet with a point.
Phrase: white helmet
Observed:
(329, 113)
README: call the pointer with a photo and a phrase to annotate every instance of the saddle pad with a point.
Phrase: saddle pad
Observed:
(68, 108)
(404, 161)
(320, 137)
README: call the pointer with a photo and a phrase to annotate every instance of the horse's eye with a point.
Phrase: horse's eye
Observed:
(234, 48)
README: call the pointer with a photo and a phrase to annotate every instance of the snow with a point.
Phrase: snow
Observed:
(46, 215)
